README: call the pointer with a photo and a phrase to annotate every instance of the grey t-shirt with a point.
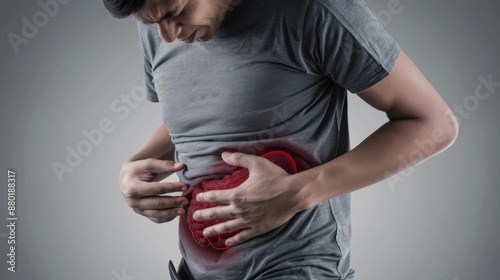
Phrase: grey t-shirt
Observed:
(275, 77)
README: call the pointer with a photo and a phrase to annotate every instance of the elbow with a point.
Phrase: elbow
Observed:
(454, 132)
(446, 129)
(452, 127)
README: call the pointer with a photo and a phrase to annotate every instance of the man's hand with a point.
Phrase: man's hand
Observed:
(265, 201)
(146, 196)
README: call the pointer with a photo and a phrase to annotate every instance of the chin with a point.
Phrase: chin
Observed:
(205, 37)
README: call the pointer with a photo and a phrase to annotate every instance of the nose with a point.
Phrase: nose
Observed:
(168, 30)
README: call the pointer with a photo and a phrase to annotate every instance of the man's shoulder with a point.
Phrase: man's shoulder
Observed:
(150, 41)
(316, 14)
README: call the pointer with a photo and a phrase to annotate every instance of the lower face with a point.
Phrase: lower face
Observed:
(199, 20)
(206, 17)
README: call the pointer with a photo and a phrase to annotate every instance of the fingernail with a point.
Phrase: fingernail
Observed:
(226, 154)
(180, 212)
(177, 164)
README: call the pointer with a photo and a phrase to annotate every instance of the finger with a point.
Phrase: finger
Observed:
(154, 188)
(225, 227)
(161, 216)
(241, 237)
(240, 159)
(214, 213)
(159, 166)
(158, 202)
(219, 196)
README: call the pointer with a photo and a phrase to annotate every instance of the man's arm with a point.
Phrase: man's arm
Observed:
(153, 162)
(159, 146)
(416, 113)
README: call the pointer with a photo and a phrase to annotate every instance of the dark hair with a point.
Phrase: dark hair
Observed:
(123, 8)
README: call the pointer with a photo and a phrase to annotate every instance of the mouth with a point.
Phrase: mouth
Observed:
(191, 38)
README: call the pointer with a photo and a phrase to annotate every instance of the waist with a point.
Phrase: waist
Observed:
(315, 233)
(281, 158)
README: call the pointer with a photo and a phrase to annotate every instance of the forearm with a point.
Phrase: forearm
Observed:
(159, 146)
(395, 146)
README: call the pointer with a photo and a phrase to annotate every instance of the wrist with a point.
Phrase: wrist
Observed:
(303, 185)
(141, 155)
(320, 183)
(132, 159)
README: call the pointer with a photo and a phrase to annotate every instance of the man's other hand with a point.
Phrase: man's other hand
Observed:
(147, 197)
(268, 199)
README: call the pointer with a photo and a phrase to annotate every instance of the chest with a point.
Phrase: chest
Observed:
(229, 86)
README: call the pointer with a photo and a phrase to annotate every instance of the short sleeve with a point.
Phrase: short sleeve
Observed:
(344, 40)
(148, 46)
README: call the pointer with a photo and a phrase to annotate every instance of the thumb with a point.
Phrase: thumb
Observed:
(240, 159)
(159, 166)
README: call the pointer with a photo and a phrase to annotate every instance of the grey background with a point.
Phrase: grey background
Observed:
(439, 222)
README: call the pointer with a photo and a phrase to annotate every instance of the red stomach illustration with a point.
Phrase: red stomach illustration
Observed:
(280, 158)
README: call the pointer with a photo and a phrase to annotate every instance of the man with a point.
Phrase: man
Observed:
(236, 80)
